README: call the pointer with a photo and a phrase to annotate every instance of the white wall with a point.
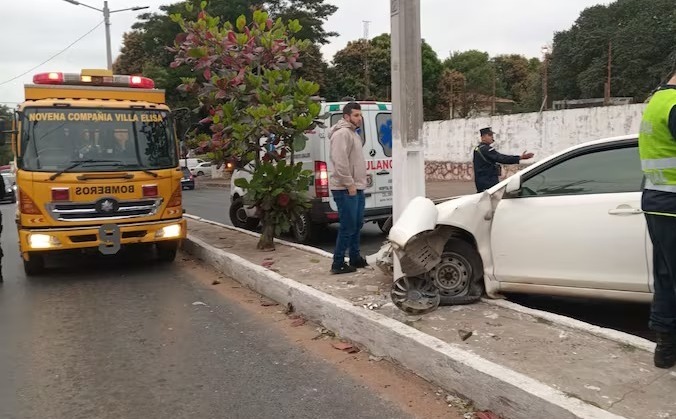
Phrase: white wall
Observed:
(542, 133)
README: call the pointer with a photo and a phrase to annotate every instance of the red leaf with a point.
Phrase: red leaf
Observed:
(231, 37)
(207, 74)
(297, 323)
(342, 346)
(487, 415)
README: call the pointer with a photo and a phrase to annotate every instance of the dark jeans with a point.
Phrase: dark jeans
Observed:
(351, 218)
(662, 231)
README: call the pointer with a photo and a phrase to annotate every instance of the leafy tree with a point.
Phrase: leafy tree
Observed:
(6, 154)
(641, 33)
(145, 47)
(245, 78)
(348, 75)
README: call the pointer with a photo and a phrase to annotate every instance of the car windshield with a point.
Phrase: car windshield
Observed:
(90, 140)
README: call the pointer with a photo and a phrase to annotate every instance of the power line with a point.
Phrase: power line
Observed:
(53, 56)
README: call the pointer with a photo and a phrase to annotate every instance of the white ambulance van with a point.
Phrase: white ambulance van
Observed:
(376, 133)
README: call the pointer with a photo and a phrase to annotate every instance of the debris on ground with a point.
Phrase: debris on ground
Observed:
(375, 358)
(371, 306)
(372, 288)
(289, 309)
(465, 334)
(298, 322)
(267, 263)
(345, 347)
(269, 303)
(322, 332)
(486, 415)
(199, 303)
(216, 282)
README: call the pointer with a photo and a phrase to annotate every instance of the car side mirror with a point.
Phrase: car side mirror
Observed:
(514, 185)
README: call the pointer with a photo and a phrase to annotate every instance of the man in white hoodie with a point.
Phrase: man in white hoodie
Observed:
(348, 182)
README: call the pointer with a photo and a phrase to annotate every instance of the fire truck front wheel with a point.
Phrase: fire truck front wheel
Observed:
(166, 251)
(35, 265)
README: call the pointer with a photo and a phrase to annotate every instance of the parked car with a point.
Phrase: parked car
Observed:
(191, 163)
(10, 187)
(188, 180)
(201, 169)
(569, 225)
(376, 134)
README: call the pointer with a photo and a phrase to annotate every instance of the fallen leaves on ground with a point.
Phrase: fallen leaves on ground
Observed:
(345, 347)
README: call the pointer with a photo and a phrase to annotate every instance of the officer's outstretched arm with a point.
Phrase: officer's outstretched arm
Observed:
(492, 154)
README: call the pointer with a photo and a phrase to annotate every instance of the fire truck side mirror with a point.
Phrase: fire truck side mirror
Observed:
(5, 131)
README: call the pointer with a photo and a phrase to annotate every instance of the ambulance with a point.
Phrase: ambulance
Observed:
(376, 134)
(97, 167)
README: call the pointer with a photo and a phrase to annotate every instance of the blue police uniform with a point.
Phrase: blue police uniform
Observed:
(487, 162)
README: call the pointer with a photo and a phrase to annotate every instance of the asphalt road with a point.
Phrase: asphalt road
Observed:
(121, 337)
(213, 204)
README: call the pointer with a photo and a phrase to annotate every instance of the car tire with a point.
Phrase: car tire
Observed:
(304, 230)
(192, 188)
(238, 216)
(200, 173)
(460, 275)
(166, 251)
(35, 265)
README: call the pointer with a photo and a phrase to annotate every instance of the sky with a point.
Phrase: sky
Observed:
(35, 30)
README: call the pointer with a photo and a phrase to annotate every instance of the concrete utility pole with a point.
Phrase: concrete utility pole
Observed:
(367, 74)
(407, 108)
(106, 20)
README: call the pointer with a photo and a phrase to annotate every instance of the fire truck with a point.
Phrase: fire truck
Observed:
(97, 167)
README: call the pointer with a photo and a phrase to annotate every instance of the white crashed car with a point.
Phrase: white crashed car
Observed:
(569, 225)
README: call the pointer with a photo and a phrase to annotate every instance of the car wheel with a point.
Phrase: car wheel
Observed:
(192, 188)
(200, 173)
(385, 225)
(459, 275)
(166, 251)
(239, 218)
(35, 265)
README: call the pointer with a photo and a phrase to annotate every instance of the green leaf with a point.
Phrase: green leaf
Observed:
(295, 26)
(242, 183)
(189, 6)
(299, 142)
(241, 23)
(203, 5)
(197, 52)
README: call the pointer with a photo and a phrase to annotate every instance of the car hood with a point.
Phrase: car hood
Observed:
(469, 212)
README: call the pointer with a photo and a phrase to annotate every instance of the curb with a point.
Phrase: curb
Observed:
(491, 386)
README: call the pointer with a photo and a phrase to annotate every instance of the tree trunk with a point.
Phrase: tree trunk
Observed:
(267, 240)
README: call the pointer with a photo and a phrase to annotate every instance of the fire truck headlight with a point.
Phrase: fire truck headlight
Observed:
(169, 232)
(43, 241)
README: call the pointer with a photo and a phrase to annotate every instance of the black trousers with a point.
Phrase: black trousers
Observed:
(662, 231)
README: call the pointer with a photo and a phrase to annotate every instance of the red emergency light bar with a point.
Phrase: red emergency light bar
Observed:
(87, 80)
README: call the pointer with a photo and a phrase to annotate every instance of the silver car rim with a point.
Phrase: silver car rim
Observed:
(415, 295)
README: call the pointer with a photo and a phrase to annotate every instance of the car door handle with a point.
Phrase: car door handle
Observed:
(383, 173)
(625, 211)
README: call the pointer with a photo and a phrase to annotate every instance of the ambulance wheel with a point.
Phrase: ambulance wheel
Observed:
(304, 230)
(166, 251)
(35, 265)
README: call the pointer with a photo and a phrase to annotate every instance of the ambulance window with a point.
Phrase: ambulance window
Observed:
(338, 116)
(384, 127)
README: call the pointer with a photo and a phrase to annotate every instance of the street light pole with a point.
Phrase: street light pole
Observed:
(106, 20)
(408, 156)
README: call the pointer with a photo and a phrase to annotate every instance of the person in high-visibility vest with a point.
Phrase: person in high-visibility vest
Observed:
(657, 148)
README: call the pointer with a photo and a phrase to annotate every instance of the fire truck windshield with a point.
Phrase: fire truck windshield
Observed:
(92, 140)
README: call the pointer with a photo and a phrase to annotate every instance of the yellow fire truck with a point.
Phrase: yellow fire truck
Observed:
(96, 167)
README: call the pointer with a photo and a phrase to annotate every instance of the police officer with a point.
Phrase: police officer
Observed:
(657, 147)
(487, 161)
